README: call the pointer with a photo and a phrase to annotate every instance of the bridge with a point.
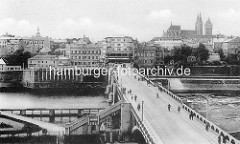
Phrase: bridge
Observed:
(146, 118)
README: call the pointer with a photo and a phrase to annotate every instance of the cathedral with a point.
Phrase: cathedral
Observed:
(175, 31)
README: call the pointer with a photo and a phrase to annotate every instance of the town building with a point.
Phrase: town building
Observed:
(167, 42)
(145, 56)
(217, 42)
(35, 43)
(119, 49)
(84, 54)
(9, 44)
(231, 46)
(58, 45)
(4, 67)
(45, 61)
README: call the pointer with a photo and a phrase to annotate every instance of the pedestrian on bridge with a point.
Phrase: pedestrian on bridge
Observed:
(179, 109)
(219, 139)
(191, 115)
(207, 126)
(169, 107)
(138, 107)
(135, 97)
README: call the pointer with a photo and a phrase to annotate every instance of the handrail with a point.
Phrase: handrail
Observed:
(37, 109)
(204, 120)
(145, 133)
(75, 124)
(105, 112)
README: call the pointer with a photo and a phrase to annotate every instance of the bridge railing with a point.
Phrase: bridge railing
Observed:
(119, 88)
(201, 118)
(110, 110)
(71, 127)
(143, 129)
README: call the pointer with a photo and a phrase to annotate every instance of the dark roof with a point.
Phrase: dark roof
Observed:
(188, 33)
(165, 38)
(43, 57)
(174, 27)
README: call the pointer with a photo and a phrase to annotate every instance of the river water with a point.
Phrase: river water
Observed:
(23, 100)
(220, 103)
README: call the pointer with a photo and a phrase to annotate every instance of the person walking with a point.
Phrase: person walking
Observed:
(157, 95)
(219, 139)
(135, 97)
(207, 126)
(169, 107)
(179, 109)
(138, 107)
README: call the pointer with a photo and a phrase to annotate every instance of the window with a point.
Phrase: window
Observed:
(79, 57)
(92, 57)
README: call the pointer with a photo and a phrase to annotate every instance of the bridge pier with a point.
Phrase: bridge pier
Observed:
(52, 116)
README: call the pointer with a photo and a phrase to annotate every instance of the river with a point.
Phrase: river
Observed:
(220, 103)
(215, 99)
(25, 99)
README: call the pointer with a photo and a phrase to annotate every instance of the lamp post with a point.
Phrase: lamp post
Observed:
(142, 109)
(121, 82)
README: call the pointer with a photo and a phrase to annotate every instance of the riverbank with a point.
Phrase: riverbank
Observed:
(222, 110)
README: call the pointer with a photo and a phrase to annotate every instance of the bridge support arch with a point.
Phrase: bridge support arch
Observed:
(137, 135)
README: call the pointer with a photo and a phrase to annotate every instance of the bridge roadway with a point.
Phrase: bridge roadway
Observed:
(165, 127)
(53, 129)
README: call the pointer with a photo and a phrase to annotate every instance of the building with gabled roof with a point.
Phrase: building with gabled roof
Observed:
(231, 46)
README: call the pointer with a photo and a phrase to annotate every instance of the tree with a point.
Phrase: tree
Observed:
(202, 53)
(181, 53)
(19, 58)
(221, 54)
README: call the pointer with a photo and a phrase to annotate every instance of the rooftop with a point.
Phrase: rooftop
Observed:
(43, 57)
(2, 62)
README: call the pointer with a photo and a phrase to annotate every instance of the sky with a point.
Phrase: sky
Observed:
(96, 19)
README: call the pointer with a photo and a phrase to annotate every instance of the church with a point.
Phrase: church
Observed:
(175, 31)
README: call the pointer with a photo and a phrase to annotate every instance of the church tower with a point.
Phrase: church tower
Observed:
(208, 27)
(199, 25)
